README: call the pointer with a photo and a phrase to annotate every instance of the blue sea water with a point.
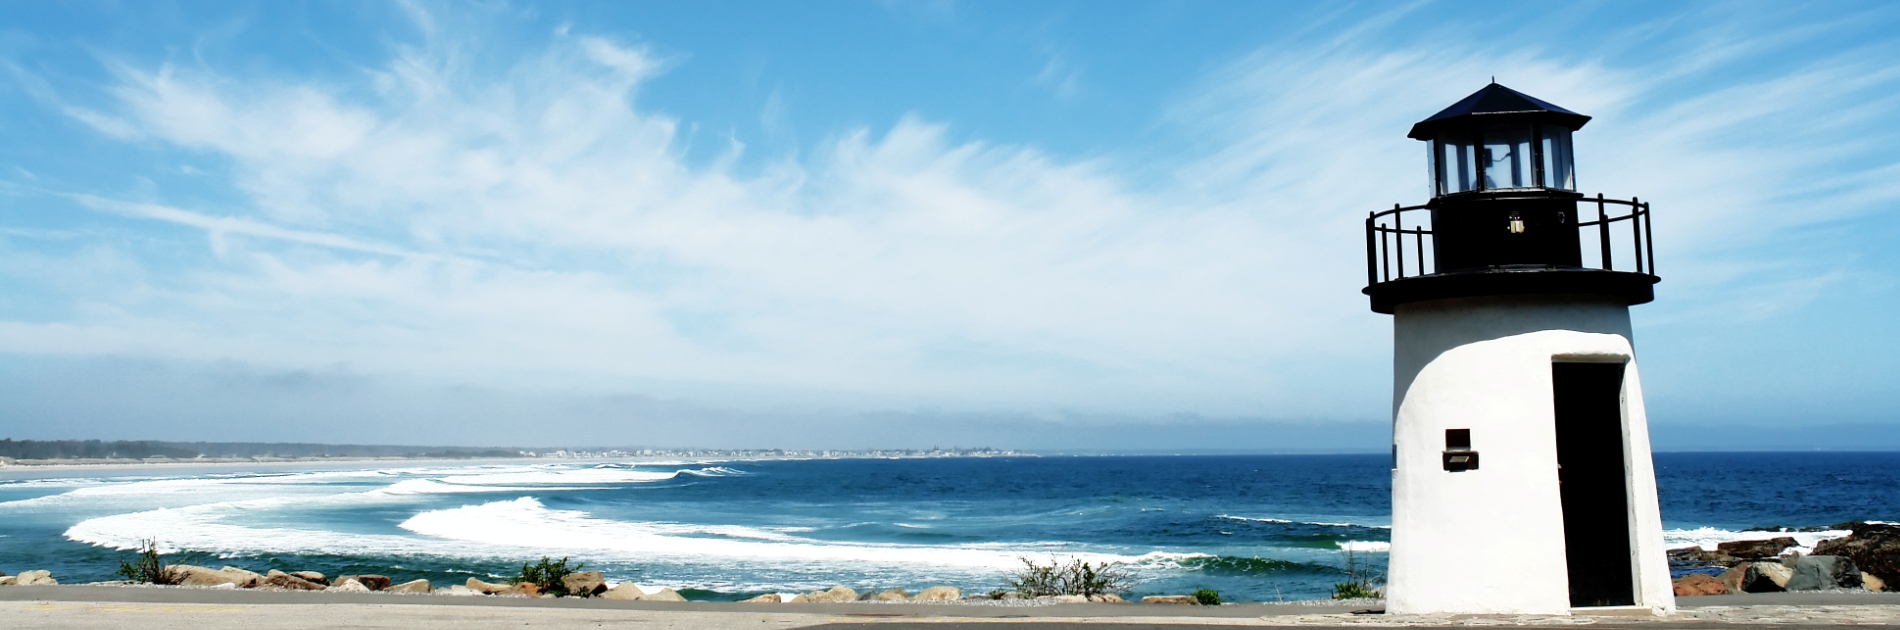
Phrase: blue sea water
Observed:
(1255, 528)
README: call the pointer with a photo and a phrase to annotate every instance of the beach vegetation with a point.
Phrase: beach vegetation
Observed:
(547, 574)
(148, 567)
(1207, 596)
(1076, 577)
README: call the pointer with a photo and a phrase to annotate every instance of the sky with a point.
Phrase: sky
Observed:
(1042, 225)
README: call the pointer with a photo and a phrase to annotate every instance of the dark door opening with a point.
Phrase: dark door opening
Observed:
(1595, 494)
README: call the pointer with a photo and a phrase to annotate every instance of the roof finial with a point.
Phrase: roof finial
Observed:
(1494, 79)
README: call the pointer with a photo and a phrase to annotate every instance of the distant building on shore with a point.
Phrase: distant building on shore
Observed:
(1521, 474)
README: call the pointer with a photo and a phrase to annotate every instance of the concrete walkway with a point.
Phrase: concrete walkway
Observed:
(87, 607)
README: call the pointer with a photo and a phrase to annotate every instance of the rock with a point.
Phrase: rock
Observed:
(584, 583)
(893, 595)
(1698, 584)
(457, 591)
(1756, 549)
(188, 575)
(372, 582)
(1106, 598)
(768, 598)
(625, 591)
(312, 577)
(1817, 573)
(32, 578)
(1871, 582)
(522, 590)
(1756, 577)
(486, 588)
(1064, 599)
(1874, 547)
(1692, 556)
(282, 580)
(836, 594)
(413, 586)
(939, 594)
(349, 585)
(1178, 600)
(665, 595)
(8, 580)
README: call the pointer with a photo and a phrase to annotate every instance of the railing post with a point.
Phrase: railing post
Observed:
(1603, 234)
(1649, 244)
(1636, 233)
(1385, 262)
(1398, 223)
(1420, 249)
(1372, 269)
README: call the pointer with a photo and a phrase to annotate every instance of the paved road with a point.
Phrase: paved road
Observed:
(88, 608)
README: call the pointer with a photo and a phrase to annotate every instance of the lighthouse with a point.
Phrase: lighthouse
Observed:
(1521, 474)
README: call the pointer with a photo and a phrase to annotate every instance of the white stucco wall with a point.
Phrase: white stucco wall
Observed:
(1492, 540)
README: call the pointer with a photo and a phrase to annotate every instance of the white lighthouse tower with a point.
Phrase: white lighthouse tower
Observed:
(1521, 478)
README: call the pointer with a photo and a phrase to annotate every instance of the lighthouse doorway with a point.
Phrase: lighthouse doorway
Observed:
(1593, 473)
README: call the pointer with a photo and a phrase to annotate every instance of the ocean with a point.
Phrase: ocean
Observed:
(1252, 527)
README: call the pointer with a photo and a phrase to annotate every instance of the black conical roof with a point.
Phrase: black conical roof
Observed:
(1497, 104)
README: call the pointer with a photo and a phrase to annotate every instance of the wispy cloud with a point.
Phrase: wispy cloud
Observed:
(535, 225)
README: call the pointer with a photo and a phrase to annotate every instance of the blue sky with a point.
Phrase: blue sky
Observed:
(1088, 225)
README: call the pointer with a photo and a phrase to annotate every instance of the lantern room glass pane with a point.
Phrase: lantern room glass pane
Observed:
(1507, 157)
(1456, 164)
(1558, 168)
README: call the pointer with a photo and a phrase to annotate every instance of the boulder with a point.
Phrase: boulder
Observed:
(349, 585)
(1695, 556)
(664, 595)
(1698, 584)
(837, 594)
(8, 580)
(486, 588)
(625, 591)
(1106, 598)
(893, 595)
(584, 583)
(34, 578)
(457, 590)
(188, 575)
(1819, 573)
(1756, 549)
(1874, 547)
(1871, 582)
(1756, 577)
(1064, 599)
(1176, 600)
(523, 589)
(939, 594)
(412, 586)
(768, 598)
(312, 576)
(281, 580)
(371, 582)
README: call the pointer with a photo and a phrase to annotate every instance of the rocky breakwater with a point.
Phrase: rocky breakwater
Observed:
(1867, 559)
(28, 578)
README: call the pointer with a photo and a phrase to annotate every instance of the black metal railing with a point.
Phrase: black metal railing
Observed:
(1391, 233)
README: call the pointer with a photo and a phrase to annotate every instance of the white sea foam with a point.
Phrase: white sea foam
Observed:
(1365, 546)
(1283, 521)
(1708, 537)
(526, 522)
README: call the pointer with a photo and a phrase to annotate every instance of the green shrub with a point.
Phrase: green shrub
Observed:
(1207, 596)
(1355, 590)
(1075, 578)
(148, 568)
(547, 575)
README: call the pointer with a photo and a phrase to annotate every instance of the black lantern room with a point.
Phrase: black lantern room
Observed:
(1505, 216)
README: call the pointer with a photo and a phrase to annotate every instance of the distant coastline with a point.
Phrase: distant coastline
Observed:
(101, 454)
